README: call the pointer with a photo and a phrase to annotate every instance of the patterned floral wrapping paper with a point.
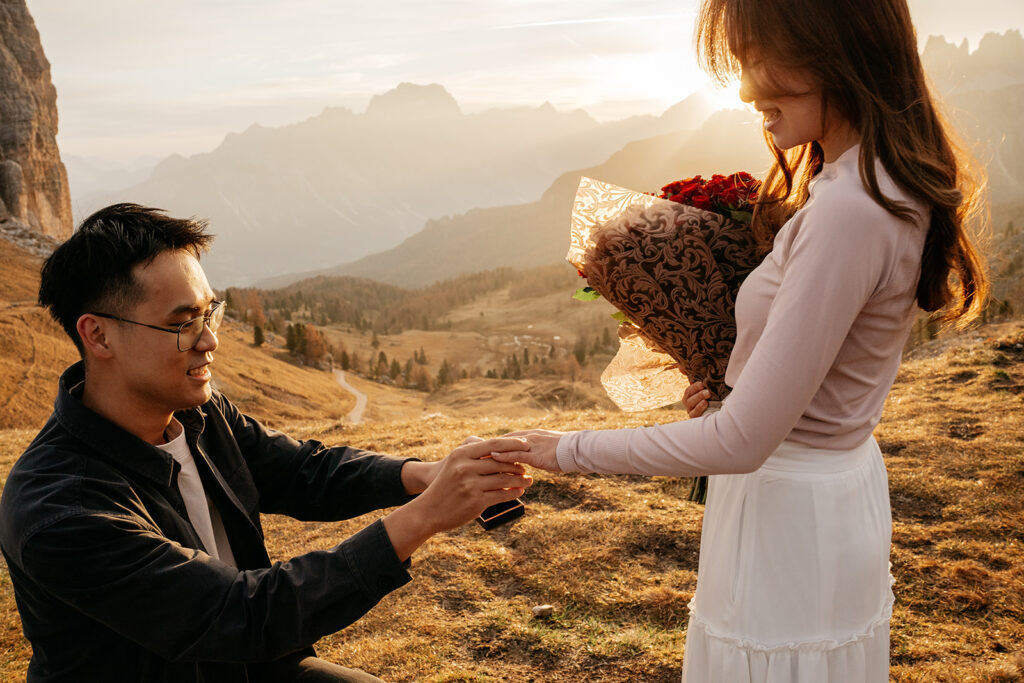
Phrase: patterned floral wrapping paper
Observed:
(674, 271)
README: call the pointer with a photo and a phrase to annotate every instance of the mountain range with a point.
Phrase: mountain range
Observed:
(413, 190)
(983, 93)
(342, 185)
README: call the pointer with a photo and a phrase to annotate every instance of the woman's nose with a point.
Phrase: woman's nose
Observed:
(746, 88)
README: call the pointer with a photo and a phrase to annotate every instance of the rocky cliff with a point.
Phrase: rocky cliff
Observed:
(33, 181)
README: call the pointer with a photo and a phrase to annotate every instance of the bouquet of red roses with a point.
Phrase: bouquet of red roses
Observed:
(672, 266)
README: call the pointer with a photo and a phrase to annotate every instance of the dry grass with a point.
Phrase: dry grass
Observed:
(617, 556)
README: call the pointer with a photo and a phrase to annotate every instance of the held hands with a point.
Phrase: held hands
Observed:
(472, 478)
(456, 490)
(541, 452)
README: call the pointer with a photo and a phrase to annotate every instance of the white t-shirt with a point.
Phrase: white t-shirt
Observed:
(204, 516)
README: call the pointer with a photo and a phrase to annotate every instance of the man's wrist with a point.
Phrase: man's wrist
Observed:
(408, 528)
(417, 475)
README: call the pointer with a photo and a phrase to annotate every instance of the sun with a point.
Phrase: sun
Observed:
(727, 97)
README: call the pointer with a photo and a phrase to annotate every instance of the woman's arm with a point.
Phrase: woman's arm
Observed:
(839, 254)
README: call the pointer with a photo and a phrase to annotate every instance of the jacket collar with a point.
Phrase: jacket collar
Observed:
(111, 441)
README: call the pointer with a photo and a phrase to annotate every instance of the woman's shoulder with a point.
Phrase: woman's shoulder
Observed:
(842, 188)
(841, 203)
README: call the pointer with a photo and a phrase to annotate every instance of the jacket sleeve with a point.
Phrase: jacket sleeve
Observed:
(184, 605)
(307, 480)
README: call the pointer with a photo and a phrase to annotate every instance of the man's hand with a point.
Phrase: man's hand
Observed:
(541, 454)
(464, 483)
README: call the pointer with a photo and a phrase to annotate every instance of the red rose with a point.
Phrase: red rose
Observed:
(730, 196)
(701, 201)
(721, 193)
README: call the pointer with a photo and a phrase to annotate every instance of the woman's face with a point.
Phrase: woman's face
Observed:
(789, 102)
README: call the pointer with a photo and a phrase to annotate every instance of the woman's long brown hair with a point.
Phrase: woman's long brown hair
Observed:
(863, 53)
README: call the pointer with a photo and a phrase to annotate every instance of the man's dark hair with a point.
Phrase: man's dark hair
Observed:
(92, 269)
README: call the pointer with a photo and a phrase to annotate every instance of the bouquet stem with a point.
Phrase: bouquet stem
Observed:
(699, 490)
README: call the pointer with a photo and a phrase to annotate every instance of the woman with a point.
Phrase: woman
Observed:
(868, 207)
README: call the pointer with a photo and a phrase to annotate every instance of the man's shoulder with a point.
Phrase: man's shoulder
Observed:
(41, 484)
(46, 484)
(54, 449)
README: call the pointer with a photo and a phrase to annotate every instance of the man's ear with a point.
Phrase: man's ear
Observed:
(92, 332)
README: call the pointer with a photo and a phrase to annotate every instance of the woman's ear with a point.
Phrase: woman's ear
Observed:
(92, 332)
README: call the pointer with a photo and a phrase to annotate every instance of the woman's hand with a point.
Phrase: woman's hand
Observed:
(695, 398)
(543, 444)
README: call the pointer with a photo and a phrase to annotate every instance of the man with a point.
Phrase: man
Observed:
(131, 525)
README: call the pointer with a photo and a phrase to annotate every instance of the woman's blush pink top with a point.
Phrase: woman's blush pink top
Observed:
(821, 326)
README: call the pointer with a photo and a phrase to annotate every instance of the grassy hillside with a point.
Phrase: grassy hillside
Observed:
(34, 351)
(617, 556)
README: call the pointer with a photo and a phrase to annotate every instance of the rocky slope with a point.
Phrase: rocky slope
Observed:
(33, 181)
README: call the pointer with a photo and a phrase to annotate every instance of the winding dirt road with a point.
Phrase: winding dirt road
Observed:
(356, 414)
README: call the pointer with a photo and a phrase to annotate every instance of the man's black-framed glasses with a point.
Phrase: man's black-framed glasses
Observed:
(190, 331)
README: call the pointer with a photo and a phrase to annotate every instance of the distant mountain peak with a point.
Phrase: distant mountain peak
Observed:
(1002, 46)
(998, 61)
(412, 100)
(937, 47)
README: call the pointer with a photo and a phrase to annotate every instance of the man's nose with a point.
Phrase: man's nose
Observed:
(207, 340)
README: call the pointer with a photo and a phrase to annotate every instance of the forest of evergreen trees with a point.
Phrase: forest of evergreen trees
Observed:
(296, 311)
(385, 309)
(376, 308)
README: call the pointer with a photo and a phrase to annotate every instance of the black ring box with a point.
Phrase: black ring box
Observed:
(501, 513)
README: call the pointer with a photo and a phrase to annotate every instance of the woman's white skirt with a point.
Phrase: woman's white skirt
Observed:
(793, 583)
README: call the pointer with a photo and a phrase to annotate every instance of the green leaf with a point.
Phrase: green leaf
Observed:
(741, 216)
(586, 294)
(621, 317)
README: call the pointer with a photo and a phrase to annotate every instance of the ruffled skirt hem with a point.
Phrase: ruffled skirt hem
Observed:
(713, 657)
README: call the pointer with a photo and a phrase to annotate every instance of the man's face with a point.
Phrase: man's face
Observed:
(154, 374)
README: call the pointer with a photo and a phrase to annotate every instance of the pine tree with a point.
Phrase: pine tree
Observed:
(444, 374)
(421, 379)
(257, 336)
(314, 346)
(292, 338)
(580, 351)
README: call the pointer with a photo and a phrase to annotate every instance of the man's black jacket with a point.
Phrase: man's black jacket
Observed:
(112, 582)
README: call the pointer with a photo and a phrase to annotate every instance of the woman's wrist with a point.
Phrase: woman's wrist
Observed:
(564, 457)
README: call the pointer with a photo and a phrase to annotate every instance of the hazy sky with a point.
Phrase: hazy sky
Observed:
(141, 79)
